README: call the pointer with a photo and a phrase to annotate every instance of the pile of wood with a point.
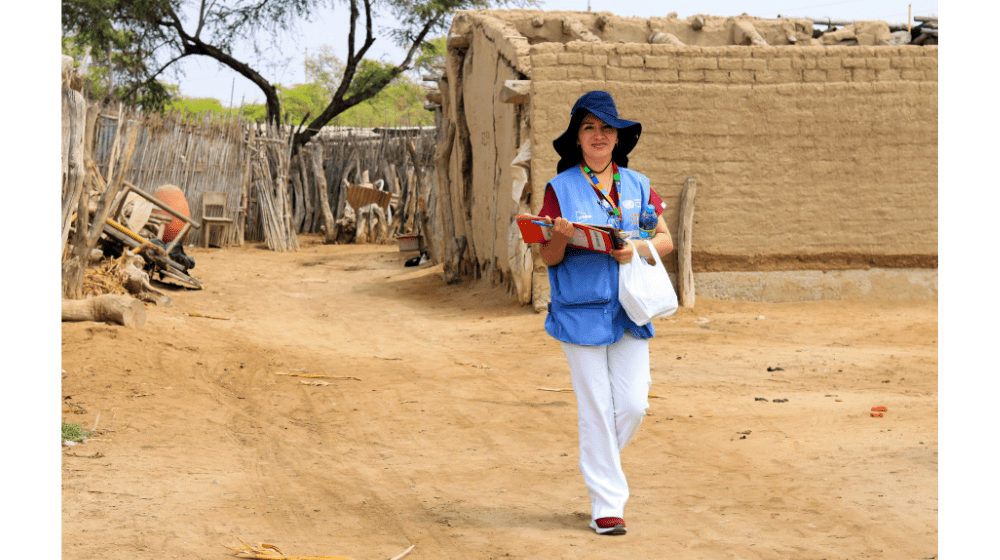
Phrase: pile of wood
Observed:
(196, 152)
(271, 155)
(87, 200)
(926, 33)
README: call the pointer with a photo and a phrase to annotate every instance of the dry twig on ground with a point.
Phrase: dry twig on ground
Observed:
(270, 552)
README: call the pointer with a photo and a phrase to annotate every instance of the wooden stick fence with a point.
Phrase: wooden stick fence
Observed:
(349, 157)
(272, 196)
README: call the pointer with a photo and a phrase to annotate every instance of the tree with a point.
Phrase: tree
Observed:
(160, 31)
(324, 68)
(116, 70)
(398, 104)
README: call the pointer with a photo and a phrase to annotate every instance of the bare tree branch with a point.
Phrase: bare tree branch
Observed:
(135, 87)
(339, 104)
(201, 18)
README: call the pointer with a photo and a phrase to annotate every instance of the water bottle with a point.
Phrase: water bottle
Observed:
(647, 222)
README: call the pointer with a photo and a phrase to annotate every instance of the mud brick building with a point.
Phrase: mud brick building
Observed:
(815, 163)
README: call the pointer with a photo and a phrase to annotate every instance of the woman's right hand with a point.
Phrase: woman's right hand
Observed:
(554, 249)
(561, 227)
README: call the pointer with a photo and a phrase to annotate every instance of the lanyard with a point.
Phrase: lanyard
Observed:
(609, 206)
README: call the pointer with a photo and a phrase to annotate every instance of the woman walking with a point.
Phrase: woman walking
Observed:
(608, 354)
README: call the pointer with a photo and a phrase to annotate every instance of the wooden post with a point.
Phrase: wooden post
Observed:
(107, 201)
(685, 273)
(113, 155)
(75, 184)
(442, 161)
(241, 222)
(298, 210)
(308, 193)
(89, 135)
(425, 229)
(329, 225)
(352, 161)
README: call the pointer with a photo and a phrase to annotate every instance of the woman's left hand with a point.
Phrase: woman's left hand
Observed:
(623, 255)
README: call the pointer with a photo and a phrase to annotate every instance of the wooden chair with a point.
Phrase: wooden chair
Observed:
(213, 214)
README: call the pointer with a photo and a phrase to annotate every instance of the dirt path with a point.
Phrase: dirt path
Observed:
(431, 429)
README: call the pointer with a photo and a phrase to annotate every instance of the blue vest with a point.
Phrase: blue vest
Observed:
(584, 286)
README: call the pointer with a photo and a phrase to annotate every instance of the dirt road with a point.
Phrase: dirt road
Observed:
(429, 427)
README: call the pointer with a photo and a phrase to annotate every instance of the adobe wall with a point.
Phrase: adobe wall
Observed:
(495, 136)
(807, 158)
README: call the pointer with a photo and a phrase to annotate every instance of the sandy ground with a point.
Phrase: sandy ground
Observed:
(429, 427)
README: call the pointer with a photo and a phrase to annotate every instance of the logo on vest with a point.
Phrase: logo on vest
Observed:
(630, 204)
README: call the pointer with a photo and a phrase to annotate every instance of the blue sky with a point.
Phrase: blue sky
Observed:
(206, 78)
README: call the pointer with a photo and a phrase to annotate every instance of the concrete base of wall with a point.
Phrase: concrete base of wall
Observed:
(807, 285)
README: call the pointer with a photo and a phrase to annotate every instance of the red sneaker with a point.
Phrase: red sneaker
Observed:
(609, 526)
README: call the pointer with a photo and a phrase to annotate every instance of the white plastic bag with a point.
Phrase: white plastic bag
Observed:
(644, 289)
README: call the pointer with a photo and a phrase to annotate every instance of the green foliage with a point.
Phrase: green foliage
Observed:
(432, 52)
(303, 99)
(369, 72)
(128, 73)
(256, 113)
(118, 23)
(121, 45)
(401, 103)
(151, 97)
(74, 432)
(197, 105)
(325, 69)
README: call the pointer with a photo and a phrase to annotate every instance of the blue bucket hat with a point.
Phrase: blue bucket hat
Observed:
(602, 106)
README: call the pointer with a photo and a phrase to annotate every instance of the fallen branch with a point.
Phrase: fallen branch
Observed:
(318, 376)
(206, 316)
(270, 552)
(483, 366)
(109, 308)
(97, 455)
(405, 552)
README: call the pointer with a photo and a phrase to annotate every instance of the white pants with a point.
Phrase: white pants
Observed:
(611, 384)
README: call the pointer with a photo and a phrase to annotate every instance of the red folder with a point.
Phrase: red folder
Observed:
(600, 239)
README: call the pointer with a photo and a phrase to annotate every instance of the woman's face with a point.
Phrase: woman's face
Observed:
(597, 139)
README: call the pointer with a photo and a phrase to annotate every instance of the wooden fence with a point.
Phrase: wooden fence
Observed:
(352, 155)
(271, 196)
